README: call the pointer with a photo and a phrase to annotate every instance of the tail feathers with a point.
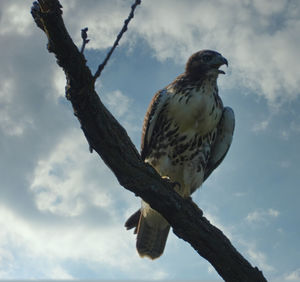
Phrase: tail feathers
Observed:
(133, 221)
(152, 236)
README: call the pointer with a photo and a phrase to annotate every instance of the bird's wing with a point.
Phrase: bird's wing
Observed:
(218, 151)
(223, 141)
(152, 121)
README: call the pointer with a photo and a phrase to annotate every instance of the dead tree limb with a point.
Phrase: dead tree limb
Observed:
(116, 43)
(110, 140)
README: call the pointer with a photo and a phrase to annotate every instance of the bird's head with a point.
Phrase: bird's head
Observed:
(205, 62)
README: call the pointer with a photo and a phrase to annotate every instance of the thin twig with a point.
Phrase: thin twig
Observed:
(126, 22)
(84, 39)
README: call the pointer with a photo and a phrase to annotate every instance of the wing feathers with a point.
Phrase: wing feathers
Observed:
(223, 141)
(150, 120)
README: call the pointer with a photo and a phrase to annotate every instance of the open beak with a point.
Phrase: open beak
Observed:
(222, 61)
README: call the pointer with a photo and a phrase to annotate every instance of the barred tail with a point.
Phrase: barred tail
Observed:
(152, 234)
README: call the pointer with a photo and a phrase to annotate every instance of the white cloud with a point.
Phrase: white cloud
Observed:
(9, 124)
(59, 82)
(68, 201)
(227, 230)
(261, 215)
(260, 259)
(104, 20)
(70, 184)
(121, 106)
(61, 185)
(240, 194)
(117, 103)
(262, 49)
(291, 130)
(262, 52)
(261, 126)
(273, 213)
(59, 273)
(12, 127)
(45, 249)
(160, 275)
(15, 17)
(293, 276)
(6, 261)
(256, 257)
(269, 8)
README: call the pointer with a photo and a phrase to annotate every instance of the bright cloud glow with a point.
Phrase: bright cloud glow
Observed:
(9, 124)
(261, 126)
(59, 83)
(60, 185)
(259, 258)
(117, 103)
(105, 18)
(15, 18)
(261, 49)
(293, 276)
(262, 215)
(121, 107)
(101, 245)
(60, 273)
(262, 57)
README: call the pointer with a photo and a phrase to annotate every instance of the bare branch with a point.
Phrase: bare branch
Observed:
(123, 30)
(110, 140)
(84, 39)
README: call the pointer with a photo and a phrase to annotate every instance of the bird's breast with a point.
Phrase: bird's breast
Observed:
(199, 110)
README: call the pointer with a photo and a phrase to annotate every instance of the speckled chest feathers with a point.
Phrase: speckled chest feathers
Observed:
(186, 114)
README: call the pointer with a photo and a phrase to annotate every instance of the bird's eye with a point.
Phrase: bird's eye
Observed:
(206, 58)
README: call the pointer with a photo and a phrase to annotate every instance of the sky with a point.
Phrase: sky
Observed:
(62, 211)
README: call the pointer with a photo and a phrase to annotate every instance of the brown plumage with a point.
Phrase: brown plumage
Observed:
(186, 135)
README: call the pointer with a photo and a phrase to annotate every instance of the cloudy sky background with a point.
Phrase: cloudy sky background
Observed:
(61, 209)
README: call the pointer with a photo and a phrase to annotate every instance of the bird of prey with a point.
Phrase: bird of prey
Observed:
(186, 134)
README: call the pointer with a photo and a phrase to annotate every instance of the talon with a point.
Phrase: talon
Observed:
(167, 178)
(175, 184)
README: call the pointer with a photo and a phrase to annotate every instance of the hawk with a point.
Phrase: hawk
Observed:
(186, 134)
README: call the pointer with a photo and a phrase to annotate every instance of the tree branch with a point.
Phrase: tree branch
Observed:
(85, 40)
(110, 140)
(123, 30)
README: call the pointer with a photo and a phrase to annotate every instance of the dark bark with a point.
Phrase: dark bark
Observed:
(110, 140)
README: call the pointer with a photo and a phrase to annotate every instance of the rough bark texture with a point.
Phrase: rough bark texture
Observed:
(110, 140)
